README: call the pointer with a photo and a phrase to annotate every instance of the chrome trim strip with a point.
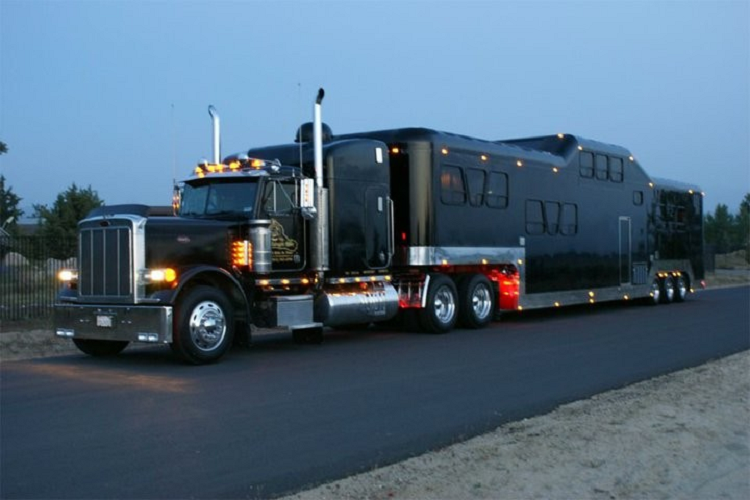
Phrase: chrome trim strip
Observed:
(459, 256)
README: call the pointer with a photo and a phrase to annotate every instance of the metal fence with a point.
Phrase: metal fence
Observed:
(28, 275)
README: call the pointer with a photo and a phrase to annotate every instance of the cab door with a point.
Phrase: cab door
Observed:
(279, 204)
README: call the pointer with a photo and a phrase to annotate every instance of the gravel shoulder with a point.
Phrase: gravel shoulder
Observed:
(684, 435)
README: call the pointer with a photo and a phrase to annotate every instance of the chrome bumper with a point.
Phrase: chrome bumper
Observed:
(130, 323)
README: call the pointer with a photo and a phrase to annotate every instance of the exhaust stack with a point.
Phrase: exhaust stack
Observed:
(217, 135)
(318, 138)
(319, 225)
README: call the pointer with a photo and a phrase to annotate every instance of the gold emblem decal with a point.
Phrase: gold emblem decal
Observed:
(283, 248)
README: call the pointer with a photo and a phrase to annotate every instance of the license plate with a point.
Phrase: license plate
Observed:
(104, 321)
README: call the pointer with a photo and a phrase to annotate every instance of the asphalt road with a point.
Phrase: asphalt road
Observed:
(280, 417)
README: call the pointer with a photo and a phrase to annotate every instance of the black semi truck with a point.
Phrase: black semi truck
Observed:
(340, 230)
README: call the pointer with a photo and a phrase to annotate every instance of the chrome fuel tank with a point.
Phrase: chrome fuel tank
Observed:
(354, 305)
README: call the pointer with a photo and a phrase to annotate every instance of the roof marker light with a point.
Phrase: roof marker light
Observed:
(519, 163)
(484, 157)
(444, 151)
(561, 136)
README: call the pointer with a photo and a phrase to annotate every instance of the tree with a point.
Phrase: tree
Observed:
(59, 223)
(9, 210)
(742, 227)
(718, 229)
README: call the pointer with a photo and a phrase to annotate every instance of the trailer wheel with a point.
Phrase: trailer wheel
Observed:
(654, 297)
(477, 302)
(681, 288)
(668, 290)
(100, 347)
(204, 326)
(439, 315)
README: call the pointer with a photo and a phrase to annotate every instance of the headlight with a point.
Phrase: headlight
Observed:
(166, 275)
(67, 275)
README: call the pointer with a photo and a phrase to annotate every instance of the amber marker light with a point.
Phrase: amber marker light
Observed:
(561, 136)
(555, 169)
(444, 151)
(519, 163)
(484, 157)
(395, 150)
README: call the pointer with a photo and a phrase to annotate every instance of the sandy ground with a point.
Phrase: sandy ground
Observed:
(685, 435)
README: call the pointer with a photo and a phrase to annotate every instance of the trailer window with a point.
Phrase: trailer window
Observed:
(586, 160)
(453, 188)
(569, 219)
(615, 169)
(601, 167)
(637, 197)
(551, 215)
(475, 180)
(534, 217)
(497, 190)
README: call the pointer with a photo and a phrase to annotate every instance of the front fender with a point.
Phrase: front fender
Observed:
(212, 276)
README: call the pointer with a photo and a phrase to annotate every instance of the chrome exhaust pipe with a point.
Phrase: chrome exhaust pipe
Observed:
(318, 138)
(217, 135)
(319, 245)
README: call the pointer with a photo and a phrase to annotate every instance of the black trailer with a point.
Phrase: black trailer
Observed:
(543, 222)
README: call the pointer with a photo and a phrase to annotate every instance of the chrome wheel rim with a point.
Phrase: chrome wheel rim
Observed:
(481, 301)
(655, 291)
(208, 326)
(681, 288)
(444, 304)
(669, 289)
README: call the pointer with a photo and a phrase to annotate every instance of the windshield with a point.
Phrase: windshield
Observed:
(218, 198)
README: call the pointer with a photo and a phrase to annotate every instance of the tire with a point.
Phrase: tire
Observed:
(654, 298)
(100, 348)
(476, 301)
(680, 288)
(668, 290)
(441, 312)
(204, 326)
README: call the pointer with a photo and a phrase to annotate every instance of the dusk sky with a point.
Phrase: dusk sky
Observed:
(113, 94)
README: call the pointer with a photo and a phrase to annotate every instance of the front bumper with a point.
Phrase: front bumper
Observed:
(113, 322)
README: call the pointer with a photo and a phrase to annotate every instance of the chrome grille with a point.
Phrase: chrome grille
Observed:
(106, 262)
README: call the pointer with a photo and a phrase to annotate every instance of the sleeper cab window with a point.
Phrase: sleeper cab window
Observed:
(586, 164)
(452, 186)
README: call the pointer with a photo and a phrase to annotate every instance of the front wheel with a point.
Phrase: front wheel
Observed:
(204, 326)
(439, 314)
(100, 347)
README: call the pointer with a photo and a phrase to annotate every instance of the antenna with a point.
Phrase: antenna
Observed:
(299, 130)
